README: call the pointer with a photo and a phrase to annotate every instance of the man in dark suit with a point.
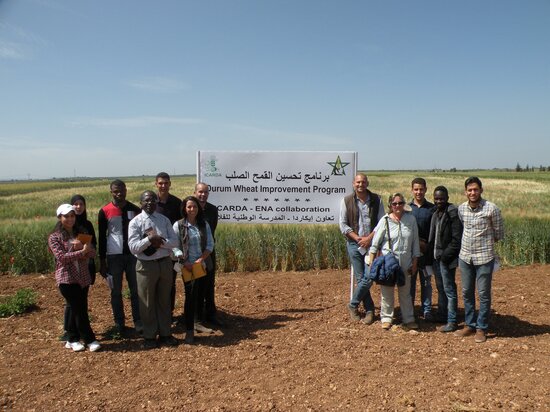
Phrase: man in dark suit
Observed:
(206, 306)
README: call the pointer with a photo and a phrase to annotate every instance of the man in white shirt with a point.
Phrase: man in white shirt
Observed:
(151, 239)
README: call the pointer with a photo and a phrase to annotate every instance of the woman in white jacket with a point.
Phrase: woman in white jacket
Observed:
(406, 248)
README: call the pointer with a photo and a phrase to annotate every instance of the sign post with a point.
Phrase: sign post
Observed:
(277, 187)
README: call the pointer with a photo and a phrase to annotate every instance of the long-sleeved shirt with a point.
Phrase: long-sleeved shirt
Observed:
(404, 239)
(423, 216)
(364, 221)
(112, 228)
(211, 216)
(140, 226)
(194, 243)
(70, 266)
(483, 226)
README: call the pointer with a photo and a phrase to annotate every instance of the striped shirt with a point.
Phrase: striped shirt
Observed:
(483, 226)
(70, 266)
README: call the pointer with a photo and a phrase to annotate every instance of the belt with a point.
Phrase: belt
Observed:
(154, 260)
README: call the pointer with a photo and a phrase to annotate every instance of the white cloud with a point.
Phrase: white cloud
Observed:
(157, 84)
(11, 50)
(18, 43)
(133, 122)
(22, 34)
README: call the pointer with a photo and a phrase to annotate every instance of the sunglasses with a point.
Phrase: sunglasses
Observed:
(397, 203)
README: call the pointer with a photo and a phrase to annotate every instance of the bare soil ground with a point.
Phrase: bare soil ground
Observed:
(289, 345)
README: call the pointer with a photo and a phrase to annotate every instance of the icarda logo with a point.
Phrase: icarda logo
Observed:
(338, 167)
(209, 168)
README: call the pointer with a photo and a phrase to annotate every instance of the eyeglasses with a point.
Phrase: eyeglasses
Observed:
(397, 203)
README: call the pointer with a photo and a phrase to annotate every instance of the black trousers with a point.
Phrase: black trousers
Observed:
(206, 305)
(191, 291)
(92, 270)
(78, 324)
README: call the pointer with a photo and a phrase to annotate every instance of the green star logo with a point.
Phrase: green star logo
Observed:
(338, 167)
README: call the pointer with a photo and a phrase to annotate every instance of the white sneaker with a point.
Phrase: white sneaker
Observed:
(75, 346)
(94, 346)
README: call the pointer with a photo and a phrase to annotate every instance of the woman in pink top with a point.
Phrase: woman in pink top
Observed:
(73, 277)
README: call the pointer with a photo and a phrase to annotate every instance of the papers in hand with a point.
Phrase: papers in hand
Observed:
(197, 271)
(109, 280)
(84, 238)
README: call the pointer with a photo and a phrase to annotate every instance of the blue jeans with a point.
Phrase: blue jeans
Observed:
(362, 290)
(480, 276)
(447, 302)
(425, 290)
(116, 266)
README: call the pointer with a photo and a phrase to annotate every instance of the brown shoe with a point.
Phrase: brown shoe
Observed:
(353, 313)
(466, 331)
(369, 318)
(480, 336)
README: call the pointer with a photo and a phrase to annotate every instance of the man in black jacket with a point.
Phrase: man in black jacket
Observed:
(444, 242)
(206, 304)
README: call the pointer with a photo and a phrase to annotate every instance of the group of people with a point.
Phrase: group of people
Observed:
(143, 244)
(426, 239)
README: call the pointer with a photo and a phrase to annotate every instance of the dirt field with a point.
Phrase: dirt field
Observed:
(289, 345)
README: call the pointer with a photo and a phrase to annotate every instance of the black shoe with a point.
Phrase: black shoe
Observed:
(168, 341)
(149, 344)
(428, 317)
(440, 318)
(116, 332)
(449, 327)
(189, 337)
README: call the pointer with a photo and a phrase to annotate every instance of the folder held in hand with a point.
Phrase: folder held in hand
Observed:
(196, 273)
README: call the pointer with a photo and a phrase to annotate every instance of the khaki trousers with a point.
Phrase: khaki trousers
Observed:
(154, 281)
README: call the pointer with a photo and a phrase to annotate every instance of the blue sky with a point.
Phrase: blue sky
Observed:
(118, 88)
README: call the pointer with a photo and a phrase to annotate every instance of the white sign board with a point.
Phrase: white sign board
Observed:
(277, 187)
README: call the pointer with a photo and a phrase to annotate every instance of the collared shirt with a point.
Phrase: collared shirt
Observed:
(137, 235)
(364, 219)
(70, 266)
(483, 226)
(194, 245)
(404, 239)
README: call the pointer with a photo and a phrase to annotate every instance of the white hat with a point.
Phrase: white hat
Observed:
(64, 209)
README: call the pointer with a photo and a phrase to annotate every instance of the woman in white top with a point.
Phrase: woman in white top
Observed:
(405, 246)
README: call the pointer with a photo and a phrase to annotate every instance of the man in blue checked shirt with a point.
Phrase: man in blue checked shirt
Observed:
(483, 227)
